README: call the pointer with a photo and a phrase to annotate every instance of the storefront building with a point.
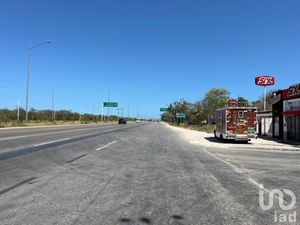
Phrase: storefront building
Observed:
(291, 113)
(286, 113)
(264, 123)
(277, 113)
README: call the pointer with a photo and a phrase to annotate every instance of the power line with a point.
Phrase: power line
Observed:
(18, 89)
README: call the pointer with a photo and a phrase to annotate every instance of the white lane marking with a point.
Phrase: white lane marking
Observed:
(56, 132)
(50, 142)
(78, 136)
(214, 178)
(261, 186)
(57, 126)
(250, 179)
(97, 149)
(9, 138)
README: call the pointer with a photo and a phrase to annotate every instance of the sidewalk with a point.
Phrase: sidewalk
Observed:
(208, 140)
(291, 143)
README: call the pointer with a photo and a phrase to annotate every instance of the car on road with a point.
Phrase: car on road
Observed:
(122, 121)
(138, 120)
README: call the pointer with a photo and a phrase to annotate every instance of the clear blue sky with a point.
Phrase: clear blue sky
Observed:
(147, 52)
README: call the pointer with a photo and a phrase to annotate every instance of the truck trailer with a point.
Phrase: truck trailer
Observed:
(236, 122)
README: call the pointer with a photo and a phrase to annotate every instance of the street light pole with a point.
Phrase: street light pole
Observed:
(27, 86)
(28, 76)
(18, 113)
(102, 113)
(108, 105)
(53, 112)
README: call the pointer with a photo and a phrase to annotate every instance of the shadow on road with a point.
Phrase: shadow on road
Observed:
(177, 217)
(144, 220)
(217, 140)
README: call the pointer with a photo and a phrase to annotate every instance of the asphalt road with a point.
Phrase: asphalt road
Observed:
(135, 174)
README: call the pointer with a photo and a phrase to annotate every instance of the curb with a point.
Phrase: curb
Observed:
(270, 149)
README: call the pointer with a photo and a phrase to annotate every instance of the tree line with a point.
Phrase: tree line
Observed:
(202, 111)
(7, 115)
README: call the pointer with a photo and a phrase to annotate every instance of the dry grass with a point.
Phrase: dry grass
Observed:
(42, 123)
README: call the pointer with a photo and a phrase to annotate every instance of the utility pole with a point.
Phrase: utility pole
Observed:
(102, 113)
(27, 86)
(137, 113)
(18, 113)
(94, 111)
(108, 106)
(53, 112)
(128, 109)
(119, 112)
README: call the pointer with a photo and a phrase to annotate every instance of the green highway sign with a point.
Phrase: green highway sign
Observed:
(164, 109)
(110, 104)
(180, 115)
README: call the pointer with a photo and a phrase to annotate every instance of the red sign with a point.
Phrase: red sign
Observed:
(231, 102)
(292, 92)
(265, 80)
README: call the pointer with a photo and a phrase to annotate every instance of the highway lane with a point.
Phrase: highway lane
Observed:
(145, 174)
(18, 131)
(48, 156)
(19, 138)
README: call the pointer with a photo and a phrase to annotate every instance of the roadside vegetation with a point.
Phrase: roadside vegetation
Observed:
(9, 118)
(200, 114)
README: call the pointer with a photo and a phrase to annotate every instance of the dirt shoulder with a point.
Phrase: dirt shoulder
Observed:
(209, 141)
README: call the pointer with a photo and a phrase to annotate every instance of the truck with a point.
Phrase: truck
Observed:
(235, 122)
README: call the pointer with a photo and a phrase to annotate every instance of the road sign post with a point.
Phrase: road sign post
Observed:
(164, 109)
(108, 105)
(265, 81)
(102, 113)
(180, 116)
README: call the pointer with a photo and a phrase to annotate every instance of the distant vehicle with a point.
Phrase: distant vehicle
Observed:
(122, 121)
(138, 120)
(236, 122)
